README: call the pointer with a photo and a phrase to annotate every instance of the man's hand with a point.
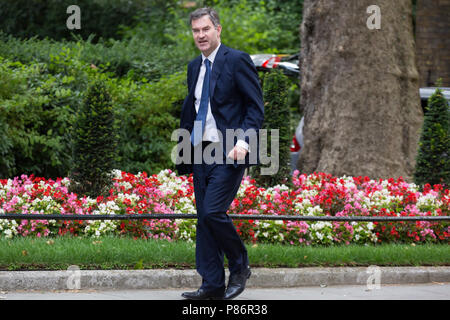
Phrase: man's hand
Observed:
(237, 153)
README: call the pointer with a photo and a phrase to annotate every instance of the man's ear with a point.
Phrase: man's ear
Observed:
(219, 30)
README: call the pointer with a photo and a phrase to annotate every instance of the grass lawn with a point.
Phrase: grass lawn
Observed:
(127, 253)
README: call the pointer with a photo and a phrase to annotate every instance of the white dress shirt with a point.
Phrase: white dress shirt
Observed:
(211, 132)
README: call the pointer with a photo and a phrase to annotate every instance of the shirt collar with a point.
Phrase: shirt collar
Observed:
(212, 56)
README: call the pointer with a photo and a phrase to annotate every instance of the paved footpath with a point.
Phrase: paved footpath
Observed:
(162, 279)
(428, 291)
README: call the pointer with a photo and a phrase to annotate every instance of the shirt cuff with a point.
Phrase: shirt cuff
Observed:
(243, 144)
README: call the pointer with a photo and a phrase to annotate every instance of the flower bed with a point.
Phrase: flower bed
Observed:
(317, 194)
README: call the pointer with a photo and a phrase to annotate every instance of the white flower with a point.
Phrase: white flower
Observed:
(117, 174)
(428, 200)
(320, 225)
(314, 211)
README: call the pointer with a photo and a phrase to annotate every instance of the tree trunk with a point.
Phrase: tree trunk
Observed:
(433, 42)
(359, 89)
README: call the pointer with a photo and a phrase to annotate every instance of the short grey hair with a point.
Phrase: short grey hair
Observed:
(213, 16)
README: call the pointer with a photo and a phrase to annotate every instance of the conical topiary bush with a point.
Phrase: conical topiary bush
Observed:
(94, 142)
(433, 159)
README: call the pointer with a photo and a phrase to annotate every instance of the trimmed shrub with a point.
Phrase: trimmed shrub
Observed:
(38, 102)
(47, 18)
(433, 159)
(34, 117)
(150, 113)
(94, 143)
(6, 159)
(276, 116)
(139, 59)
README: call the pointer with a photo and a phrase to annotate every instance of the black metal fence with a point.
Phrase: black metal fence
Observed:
(172, 216)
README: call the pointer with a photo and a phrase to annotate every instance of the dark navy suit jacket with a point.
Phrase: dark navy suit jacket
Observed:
(235, 97)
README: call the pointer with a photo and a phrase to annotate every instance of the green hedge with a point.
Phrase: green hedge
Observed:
(47, 18)
(134, 58)
(37, 106)
(261, 24)
(35, 112)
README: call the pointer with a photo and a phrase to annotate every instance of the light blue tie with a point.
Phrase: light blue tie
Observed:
(200, 120)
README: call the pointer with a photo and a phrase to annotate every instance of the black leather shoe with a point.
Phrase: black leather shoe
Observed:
(236, 284)
(201, 294)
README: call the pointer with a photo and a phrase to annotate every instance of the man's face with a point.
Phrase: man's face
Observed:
(206, 36)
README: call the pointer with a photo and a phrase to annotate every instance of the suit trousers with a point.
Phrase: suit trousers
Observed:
(215, 186)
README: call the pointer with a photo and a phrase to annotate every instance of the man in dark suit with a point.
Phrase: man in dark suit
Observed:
(223, 94)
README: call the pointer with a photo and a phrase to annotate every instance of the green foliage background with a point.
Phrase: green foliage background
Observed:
(139, 49)
(39, 101)
(47, 18)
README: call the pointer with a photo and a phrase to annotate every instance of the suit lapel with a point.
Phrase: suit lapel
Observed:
(219, 61)
(188, 106)
(196, 72)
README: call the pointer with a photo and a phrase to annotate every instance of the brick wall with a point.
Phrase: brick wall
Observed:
(433, 41)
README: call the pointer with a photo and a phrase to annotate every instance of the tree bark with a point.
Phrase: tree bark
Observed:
(359, 90)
